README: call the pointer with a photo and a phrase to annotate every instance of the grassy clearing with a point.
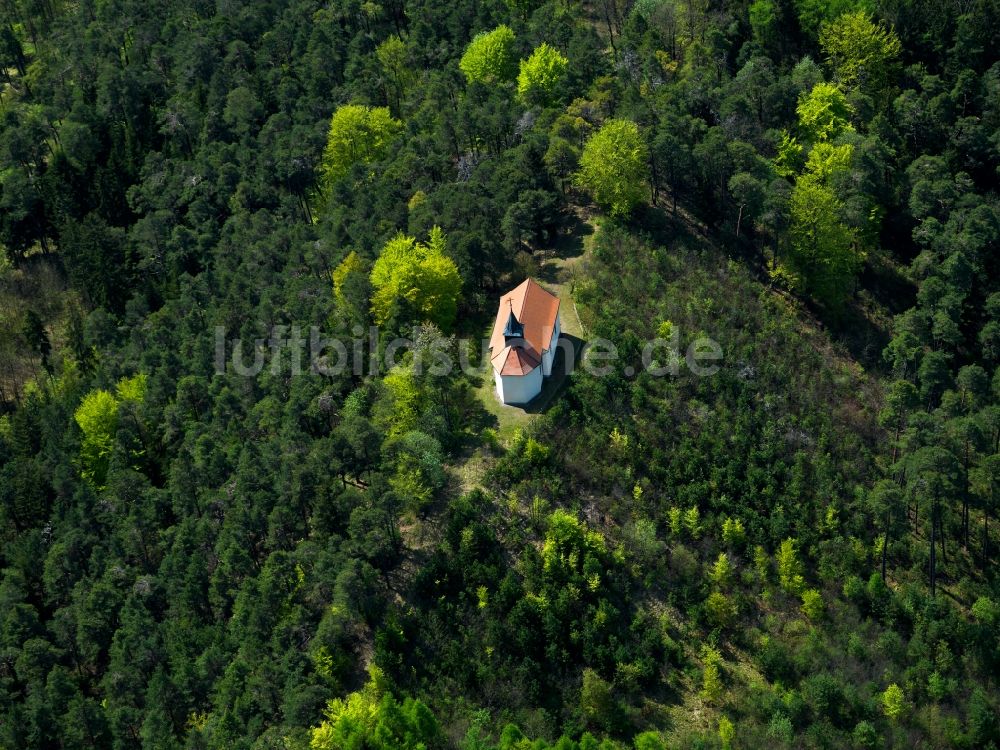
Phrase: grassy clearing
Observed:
(560, 266)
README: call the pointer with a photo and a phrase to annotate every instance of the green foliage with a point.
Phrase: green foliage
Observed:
(720, 611)
(132, 389)
(764, 21)
(812, 604)
(570, 549)
(675, 518)
(358, 134)
(372, 718)
(826, 160)
(692, 523)
(649, 741)
(762, 563)
(986, 610)
(394, 59)
(788, 161)
(97, 417)
(824, 113)
(824, 250)
(727, 733)
(596, 701)
(711, 683)
(721, 570)
(406, 400)
(350, 266)
(733, 533)
(256, 541)
(541, 75)
(522, 8)
(415, 280)
(865, 735)
(813, 13)
(419, 472)
(893, 702)
(614, 165)
(860, 51)
(789, 567)
(489, 56)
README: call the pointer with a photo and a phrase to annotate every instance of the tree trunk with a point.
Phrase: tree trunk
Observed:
(885, 542)
(655, 181)
(933, 547)
(965, 521)
(967, 460)
(986, 537)
(944, 552)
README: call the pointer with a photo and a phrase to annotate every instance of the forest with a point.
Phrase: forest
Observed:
(799, 550)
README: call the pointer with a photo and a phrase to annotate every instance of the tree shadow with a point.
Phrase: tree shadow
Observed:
(888, 284)
(861, 325)
(567, 358)
(571, 235)
(853, 328)
(478, 417)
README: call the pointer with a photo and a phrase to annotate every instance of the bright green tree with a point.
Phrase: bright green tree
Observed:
(711, 683)
(406, 397)
(790, 567)
(824, 112)
(692, 521)
(358, 135)
(133, 388)
(541, 75)
(788, 160)
(861, 52)
(727, 733)
(372, 718)
(719, 610)
(826, 160)
(489, 56)
(417, 280)
(733, 533)
(570, 548)
(97, 416)
(614, 165)
(893, 702)
(351, 264)
(648, 741)
(812, 604)
(721, 570)
(824, 250)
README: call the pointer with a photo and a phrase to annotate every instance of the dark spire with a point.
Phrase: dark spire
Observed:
(514, 329)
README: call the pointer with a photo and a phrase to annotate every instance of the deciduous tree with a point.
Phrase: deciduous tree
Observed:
(489, 56)
(614, 166)
(358, 135)
(861, 52)
(416, 280)
(541, 75)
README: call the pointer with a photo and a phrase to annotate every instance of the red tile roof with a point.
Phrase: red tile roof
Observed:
(536, 310)
(515, 360)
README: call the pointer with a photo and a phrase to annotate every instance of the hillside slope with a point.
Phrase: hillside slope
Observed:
(209, 539)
